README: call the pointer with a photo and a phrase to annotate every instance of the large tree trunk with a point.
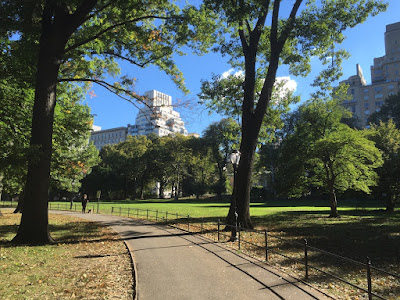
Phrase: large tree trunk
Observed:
(57, 27)
(243, 179)
(34, 222)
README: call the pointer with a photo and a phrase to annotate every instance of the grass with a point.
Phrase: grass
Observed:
(88, 262)
(364, 229)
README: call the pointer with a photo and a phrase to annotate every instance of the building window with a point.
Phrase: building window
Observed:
(378, 103)
(367, 112)
(366, 91)
(366, 97)
(378, 96)
(366, 105)
(378, 89)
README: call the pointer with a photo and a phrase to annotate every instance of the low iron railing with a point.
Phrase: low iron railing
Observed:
(261, 247)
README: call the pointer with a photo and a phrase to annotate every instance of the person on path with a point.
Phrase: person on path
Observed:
(85, 200)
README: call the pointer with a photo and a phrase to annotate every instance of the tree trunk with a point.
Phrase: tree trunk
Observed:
(20, 204)
(333, 200)
(1, 184)
(391, 203)
(57, 27)
(34, 227)
(161, 190)
(221, 183)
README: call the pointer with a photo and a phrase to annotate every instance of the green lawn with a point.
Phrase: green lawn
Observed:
(364, 229)
(210, 208)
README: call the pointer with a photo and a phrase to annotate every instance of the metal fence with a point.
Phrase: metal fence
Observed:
(265, 245)
(303, 259)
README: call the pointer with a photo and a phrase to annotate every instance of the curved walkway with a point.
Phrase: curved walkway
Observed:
(173, 264)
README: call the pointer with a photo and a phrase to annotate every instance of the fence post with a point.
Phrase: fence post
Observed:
(157, 215)
(166, 217)
(202, 221)
(369, 278)
(112, 210)
(239, 237)
(129, 210)
(147, 214)
(266, 244)
(188, 223)
(120, 211)
(219, 224)
(306, 257)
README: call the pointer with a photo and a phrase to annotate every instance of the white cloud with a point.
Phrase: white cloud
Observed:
(287, 83)
(232, 72)
(96, 128)
(283, 87)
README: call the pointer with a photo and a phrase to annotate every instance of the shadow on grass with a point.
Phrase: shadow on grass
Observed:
(69, 233)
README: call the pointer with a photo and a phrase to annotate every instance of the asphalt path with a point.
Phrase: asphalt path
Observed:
(173, 264)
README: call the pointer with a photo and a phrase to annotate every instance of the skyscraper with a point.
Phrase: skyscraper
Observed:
(385, 79)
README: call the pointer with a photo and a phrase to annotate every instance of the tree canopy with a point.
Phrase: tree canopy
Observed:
(387, 139)
(327, 154)
(81, 42)
(261, 36)
(389, 110)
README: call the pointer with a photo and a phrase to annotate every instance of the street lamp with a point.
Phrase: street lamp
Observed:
(235, 158)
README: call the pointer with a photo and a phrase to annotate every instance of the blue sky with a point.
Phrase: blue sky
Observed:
(364, 42)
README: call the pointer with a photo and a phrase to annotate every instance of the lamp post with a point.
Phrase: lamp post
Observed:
(235, 158)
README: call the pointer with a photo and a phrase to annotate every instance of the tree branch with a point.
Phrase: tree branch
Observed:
(113, 89)
(98, 11)
(289, 25)
(78, 44)
(243, 40)
(106, 85)
(274, 24)
(141, 65)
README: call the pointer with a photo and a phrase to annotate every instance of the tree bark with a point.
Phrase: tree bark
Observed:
(57, 27)
(333, 200)
(34, 222)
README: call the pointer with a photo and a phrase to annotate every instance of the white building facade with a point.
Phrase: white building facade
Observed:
(111, 136)
(385, 78)
(157, 117)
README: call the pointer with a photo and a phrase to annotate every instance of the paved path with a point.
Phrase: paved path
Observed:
(172, 264)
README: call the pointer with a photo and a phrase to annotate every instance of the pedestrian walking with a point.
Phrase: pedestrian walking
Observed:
(85, 200)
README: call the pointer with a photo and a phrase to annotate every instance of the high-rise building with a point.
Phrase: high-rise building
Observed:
(385, 79)
(157, 117)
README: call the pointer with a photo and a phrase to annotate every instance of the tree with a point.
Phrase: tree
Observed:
(222, 137)
(179, 153)
(80, 42)
(327, 154)
(389, 110)
(387, 138)
(200, 174)
(73, 157)
(259, 49)
(160, 164)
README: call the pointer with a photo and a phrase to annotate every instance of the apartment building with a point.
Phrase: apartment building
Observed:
(385, 79)
(157, 116)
